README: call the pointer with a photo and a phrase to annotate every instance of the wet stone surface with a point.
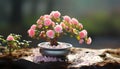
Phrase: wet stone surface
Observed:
(78, 58)
(81, 58)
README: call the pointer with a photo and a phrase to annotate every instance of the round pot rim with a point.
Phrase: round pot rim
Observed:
(42, 47)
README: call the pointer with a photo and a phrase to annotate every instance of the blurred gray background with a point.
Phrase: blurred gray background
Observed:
(100, 17)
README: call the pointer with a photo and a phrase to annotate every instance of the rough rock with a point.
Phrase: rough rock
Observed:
(83, 58)
(78, 58)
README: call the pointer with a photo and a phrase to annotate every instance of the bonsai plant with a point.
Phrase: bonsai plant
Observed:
(50, 27)
(11, 43)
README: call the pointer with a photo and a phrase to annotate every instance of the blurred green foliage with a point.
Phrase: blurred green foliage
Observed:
(102, 23)
(98, 17)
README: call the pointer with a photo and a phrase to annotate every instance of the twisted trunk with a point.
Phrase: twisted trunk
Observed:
(10, 51)
(53, 42)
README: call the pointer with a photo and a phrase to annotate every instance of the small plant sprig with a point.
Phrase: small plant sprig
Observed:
(14, 42)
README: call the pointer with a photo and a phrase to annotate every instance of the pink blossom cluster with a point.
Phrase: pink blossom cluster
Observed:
(13, 42)
(53, 25)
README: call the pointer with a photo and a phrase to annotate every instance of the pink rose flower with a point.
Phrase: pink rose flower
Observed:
(62, 24)
(31, 32)
(50, 33)
(55, 14)
(81, 41)
(67, 18)
(41, 17)
(47, 22)
(39, 21)
(58, 28)
(33, 27)
(80, 26)
(67, 28)
(47, 16)
(74, 21)
(89, 41)
(83, 34)
(53, 24)
(39, 26)
(10, 38)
